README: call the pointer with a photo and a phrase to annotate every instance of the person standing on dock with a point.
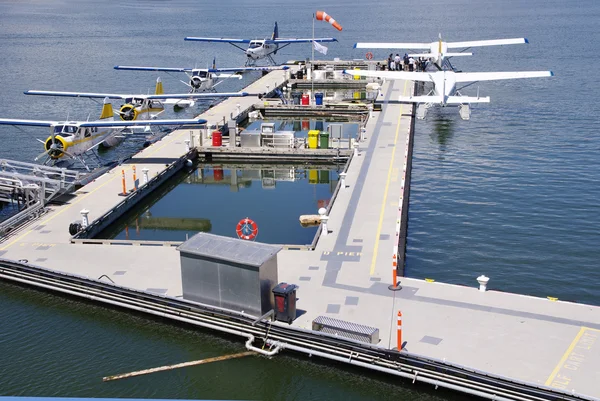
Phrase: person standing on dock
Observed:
(411, 64)
(397, 61)
(405, 62)
(390, 59)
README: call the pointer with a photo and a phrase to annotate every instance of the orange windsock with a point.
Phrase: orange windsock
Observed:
(323, 16)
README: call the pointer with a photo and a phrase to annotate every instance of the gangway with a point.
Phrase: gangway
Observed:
(32, 187)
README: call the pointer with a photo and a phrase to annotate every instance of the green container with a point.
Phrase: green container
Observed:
(323, 176)
(324, 140)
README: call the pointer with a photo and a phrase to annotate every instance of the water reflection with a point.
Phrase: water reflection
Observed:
(213, 198)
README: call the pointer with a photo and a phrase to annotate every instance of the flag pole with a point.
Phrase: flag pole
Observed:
(312, 63)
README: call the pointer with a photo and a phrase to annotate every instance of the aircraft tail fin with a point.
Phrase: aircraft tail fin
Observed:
(214, 65)
(107, 110)
(275, 32)
(159, 87)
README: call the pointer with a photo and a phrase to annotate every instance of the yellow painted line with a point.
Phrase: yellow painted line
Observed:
(387, 186)
(565, 356)
(46, 221)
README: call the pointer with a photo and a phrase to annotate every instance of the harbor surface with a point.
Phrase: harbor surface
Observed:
(564, 265)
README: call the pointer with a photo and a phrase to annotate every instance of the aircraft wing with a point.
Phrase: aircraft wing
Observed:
(493, 42)
(243, 69)
(226, 40)
(198, 95)
(133, 123)
(493, 76)
(409, 76)
(286, 41)
(80, 94)
(30, 123)
(384, 45)
(136, 68)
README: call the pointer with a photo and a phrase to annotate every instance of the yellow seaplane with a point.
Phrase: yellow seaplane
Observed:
(74, 139)
(144, 106)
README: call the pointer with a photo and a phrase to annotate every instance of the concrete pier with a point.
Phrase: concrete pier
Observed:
(544, 348)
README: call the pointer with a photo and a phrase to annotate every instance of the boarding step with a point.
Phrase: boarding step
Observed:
(354, 331)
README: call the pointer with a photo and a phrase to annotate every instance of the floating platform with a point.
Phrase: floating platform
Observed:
(489, 344)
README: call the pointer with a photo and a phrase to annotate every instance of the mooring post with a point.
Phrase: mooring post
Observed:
(84, 218)
(355, 149)
(145, 174)
(324, 219)
(483, 280)
(187, 145)
(342, 180)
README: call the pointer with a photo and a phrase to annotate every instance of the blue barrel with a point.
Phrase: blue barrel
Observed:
(319, 99)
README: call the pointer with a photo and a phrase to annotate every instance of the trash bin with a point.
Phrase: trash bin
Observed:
(305, 100)
(285, 302)
(319, 99)
(296, 96)
(299, 74)
(313, 139)
(323, 140)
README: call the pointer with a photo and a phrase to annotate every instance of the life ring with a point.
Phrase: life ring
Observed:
(369, 55)
(246, 229)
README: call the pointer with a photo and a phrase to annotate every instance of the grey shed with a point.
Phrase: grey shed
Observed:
(229, 273)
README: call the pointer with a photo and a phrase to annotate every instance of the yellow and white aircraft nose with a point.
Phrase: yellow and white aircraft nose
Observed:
(56, 146)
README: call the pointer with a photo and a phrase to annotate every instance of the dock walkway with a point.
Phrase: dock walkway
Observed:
(525, 339)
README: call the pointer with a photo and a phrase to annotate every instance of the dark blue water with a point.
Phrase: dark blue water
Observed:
(512, 193)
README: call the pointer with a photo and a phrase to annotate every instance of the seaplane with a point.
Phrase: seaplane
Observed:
(203, 79)
(146, 106)
(72, 140)
(445, 92)
(438, 53)
(261, 48)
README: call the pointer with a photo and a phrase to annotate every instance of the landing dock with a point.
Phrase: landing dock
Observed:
(490, 344)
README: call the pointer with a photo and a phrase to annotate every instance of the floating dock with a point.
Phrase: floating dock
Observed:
(490, 344)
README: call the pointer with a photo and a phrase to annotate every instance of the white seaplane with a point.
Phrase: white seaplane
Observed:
(148, 106)
(444, 92)
(261, 48)
(203, 79)
(438, 53)
(75, 139)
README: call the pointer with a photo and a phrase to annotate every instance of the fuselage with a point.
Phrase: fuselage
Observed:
(201, 80)
(444, 84)
(258, 49)
(134, 107)
(69, 137)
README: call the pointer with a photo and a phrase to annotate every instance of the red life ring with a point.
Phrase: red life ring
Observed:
(369, 55)
(246, 229)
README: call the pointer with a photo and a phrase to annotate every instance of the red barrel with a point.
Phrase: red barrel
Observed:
(305, 100)
(305, 125)
(217, 138)
(218, 173)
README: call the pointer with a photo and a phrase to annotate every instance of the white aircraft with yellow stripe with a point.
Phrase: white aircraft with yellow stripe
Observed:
(145, 106)
(75, 138)
(438, 51)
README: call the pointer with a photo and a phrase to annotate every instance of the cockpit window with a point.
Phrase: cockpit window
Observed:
(65, 130)
(203, 74)
(254, 45)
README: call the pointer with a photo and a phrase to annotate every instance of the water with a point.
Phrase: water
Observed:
(512, 193)
(214, 198)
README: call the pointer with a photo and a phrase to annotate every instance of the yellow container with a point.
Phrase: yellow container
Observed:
(313, 139)
(313, 176)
